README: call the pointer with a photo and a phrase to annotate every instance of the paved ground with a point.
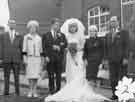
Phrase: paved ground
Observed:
(43, 90)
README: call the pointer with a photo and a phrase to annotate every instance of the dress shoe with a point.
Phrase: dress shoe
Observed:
(114, 97)
(35, 95)
(6, 94)
(29, 94)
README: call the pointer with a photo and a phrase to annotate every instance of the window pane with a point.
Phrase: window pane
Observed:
(104, 9)
(107, 18)
(102, 19)
(92, 13)
(91, 21)
(97, 25)
(103, 27)
(124, 0)
(96, 11)
(96, 20)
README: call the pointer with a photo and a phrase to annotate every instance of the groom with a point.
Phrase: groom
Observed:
(54, 44)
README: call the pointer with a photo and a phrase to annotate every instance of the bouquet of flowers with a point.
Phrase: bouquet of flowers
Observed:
(126, 90)
(72, 49)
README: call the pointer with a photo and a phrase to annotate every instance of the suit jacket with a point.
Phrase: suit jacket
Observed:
(48, 41)
(117, 49)
(11, 51)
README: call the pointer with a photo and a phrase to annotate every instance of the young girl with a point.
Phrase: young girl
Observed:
(32, 47)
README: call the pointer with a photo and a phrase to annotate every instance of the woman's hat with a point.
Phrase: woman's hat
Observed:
(11, 23)
(32, 23)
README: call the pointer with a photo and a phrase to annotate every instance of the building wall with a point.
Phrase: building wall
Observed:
(72, 8)
(115, 8)
(42, 10)
(75, 9)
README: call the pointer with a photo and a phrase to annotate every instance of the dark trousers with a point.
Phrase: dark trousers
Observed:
(54, 74)
(92, 69)
(123, 71)
(114, 75)
(7, 69)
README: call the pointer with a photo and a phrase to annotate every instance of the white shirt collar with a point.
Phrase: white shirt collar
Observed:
(12, 32)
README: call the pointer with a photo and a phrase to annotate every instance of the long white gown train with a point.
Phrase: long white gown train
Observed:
(77, 88)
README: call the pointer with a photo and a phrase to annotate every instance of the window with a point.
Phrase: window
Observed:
(128, 1)
(99, 16)
(127, 9)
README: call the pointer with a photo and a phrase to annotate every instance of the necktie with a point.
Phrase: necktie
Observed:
(55, 35)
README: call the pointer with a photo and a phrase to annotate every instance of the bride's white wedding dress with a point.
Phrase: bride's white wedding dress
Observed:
(77, 88)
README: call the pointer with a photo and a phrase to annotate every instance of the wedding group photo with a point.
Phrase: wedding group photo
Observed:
(67, 51)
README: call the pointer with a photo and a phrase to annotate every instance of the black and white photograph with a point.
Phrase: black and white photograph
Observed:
(67, 51)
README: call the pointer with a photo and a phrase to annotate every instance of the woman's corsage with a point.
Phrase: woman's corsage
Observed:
(29, 38)
(62, 43)
(125, 89)
(59, 34)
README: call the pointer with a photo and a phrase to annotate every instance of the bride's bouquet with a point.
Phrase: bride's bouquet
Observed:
(73, 51)
(72, 48)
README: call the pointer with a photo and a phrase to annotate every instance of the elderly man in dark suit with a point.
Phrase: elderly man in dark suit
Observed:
(54, 44)
(11, 55)
(116, 53)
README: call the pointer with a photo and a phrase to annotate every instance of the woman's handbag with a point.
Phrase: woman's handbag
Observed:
(103, 72)
(43, 75)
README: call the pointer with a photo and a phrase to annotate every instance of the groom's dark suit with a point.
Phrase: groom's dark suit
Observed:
(54, 67)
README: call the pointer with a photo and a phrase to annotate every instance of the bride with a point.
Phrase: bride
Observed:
(77, 88)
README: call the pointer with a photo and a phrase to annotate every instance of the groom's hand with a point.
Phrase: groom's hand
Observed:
(56, 47)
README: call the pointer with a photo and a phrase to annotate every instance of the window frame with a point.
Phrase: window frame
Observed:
(99, 15)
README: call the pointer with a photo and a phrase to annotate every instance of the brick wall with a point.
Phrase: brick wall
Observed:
(42, 10)
(72, 8)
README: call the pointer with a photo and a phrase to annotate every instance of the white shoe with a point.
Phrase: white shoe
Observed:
(29, 94)
(35, 95)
